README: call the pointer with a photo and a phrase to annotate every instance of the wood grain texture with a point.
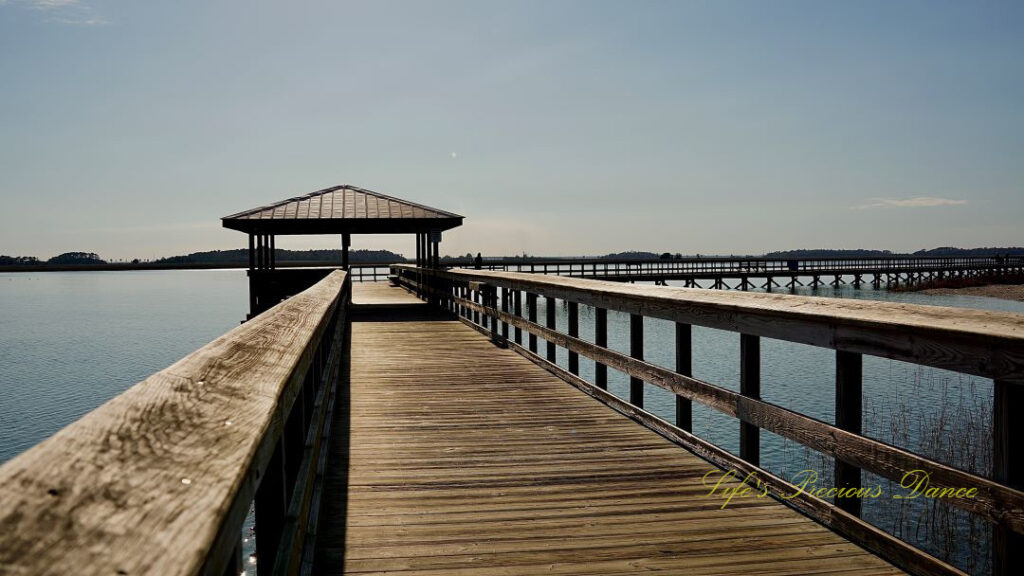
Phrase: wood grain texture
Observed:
(463, 458)
(998, 503)
(148, 482)
(979, 342)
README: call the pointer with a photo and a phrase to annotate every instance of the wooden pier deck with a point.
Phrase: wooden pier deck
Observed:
(452, 456)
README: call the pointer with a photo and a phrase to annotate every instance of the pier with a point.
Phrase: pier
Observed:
(423, 426)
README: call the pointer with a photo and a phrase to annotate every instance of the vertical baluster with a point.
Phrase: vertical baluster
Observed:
(574, 331)
(849, 372)
(518, 311)
(491, 299)
(636, 350)
(1008, 469)
(476, 312)
(505, 293)
(601, 339)
(549, 305)
(684, 366)
(750, 385)
(270, 504)
(531, 304)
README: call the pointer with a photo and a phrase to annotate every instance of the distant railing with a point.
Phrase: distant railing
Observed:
(981, 343)
(739, 267)
(160, 479)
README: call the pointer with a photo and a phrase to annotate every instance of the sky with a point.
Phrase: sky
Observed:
(555, 127)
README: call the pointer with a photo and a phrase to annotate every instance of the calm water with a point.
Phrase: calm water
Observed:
(71, 341)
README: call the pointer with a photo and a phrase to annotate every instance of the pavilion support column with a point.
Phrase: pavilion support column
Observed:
(252, 252)
(346, 241)
(273, 253)
(419, 250)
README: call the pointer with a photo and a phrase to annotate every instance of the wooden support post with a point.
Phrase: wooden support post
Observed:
(235, 564)
(346, 241)
(1007, 468)
(549, 309)
(271, 506)
(491, 299)
(518, 311)
(252, 252)
(636, 350)
(601, 339)
(574, 331)
(273, 252)
(476, 313)
(505, 295)
(750, 385)
(849, 372)
(684, 366)
(531, 304)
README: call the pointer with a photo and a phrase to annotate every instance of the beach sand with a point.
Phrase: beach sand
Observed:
(1004, 291)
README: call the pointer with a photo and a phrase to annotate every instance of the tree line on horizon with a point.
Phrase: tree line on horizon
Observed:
(241, 256)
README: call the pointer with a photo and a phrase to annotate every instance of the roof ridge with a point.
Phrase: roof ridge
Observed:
(243, 214)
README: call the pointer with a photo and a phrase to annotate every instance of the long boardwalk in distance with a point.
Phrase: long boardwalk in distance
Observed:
(425, 427)
(466, 459)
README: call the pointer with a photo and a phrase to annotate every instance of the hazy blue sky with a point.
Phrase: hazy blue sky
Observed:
(555, 127)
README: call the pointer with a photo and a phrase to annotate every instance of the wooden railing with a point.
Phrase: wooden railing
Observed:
(714, 267)
(981, 343)
(160, 479)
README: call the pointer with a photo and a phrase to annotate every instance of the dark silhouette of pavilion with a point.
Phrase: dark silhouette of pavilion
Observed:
(343, 210)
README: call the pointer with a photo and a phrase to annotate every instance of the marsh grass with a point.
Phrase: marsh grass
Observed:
(957, 431)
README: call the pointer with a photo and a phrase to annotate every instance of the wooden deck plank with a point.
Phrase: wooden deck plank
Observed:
(457, 457)
(382, 294)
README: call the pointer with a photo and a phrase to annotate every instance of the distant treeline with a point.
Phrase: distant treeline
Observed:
(241, 256)
(333, 256)
(63, 259)
(944, 251)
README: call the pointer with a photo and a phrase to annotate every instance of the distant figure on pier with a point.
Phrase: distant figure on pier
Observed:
(478, 262)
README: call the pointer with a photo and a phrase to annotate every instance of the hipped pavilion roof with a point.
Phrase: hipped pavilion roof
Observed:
(342, 210)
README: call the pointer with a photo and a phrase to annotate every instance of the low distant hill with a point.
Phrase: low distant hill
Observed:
(631, 255)
(827, 253)
(241, 256)
(861, 253)
(950, 251)
(76, 258)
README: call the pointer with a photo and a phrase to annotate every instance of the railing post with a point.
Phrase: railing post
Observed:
(750, 386)
(518, 311)
(531, 303)
(505, 293)
(636, 350)
(574, 331)
(684, 366)
(1008, 469)
(491, 302)
(271, 506)
(549, 309)
(849, 372)
(601, 339)
(476, 299)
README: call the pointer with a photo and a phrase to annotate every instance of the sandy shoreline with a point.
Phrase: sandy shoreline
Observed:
(1003, 291)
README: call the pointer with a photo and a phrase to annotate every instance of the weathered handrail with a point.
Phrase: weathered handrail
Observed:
(983, 343)
(159, 480)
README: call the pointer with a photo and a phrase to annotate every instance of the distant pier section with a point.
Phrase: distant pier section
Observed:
(428, 425)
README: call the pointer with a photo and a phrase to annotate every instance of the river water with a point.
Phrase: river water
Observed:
(70, 341)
